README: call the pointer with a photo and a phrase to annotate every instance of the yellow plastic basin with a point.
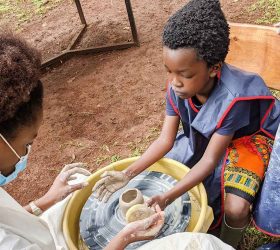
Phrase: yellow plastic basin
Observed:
(201, 213)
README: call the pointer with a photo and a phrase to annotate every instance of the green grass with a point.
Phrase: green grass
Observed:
(4, 7)
(276, 93)
(25, 10)
(270, 10)
(253, 239)
(115, 158)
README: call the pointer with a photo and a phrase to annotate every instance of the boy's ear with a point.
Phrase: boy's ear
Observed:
(215, 69)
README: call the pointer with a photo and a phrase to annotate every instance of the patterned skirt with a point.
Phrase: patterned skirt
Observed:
(246, 164)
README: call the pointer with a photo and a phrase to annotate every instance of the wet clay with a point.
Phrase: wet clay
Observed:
(100, 222)
(138, 212)
(129, 198)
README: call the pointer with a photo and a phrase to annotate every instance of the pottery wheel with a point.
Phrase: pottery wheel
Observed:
(100, 222)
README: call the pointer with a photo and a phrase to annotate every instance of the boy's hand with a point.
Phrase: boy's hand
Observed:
(110, 182)
(160, 200)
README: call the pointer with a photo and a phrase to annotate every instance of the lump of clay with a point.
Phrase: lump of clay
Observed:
(130, 198)
(138, 212)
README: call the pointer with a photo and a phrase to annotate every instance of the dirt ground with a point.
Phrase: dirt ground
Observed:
(100, 108)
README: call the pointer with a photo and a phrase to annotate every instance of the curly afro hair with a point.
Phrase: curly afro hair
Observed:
(200, 25)
(21, 92)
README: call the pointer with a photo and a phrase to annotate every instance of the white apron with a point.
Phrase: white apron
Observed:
(187, 241)
(20, 229)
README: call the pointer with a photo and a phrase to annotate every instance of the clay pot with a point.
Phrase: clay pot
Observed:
(130, 198)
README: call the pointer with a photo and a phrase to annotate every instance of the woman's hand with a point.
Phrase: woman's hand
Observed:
(110, 182)
(60, 188)
(145, 229)
(159, 200)
(138, 230)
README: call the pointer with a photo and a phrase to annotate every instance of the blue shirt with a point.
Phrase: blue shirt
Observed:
(234, 123)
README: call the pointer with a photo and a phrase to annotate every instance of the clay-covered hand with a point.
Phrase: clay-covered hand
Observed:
(60, 187)
(110, 182)
(277, 25)
(144, 229)
(160, 200)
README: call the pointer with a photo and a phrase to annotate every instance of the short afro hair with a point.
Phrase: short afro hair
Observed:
(21, 91)
(200, 25)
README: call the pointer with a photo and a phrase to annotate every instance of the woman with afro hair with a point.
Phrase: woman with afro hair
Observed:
(229, 120)
(21, 109)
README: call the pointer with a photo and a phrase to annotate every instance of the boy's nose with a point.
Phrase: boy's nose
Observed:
(176, 83)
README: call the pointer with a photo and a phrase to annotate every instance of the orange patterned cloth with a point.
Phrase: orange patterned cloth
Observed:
(246, 164)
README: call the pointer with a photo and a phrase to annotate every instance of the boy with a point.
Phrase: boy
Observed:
(229, 118)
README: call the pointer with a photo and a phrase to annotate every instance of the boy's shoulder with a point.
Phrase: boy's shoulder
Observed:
(241, 83)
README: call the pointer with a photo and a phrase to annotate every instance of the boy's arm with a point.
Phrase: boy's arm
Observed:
(158, 149)
(111, 181)
(214, 151)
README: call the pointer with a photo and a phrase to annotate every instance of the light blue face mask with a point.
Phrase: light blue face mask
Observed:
(19, 167)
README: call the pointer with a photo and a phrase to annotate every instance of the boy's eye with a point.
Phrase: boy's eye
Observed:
(187, 76)
(167, 70)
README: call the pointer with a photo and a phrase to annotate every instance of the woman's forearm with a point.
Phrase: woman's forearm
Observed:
(119, 242)
(43, 203)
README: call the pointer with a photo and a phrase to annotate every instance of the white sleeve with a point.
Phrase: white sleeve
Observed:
(11, 241)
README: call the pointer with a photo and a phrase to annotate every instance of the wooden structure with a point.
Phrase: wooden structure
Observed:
(71, 51)
(256, 49)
